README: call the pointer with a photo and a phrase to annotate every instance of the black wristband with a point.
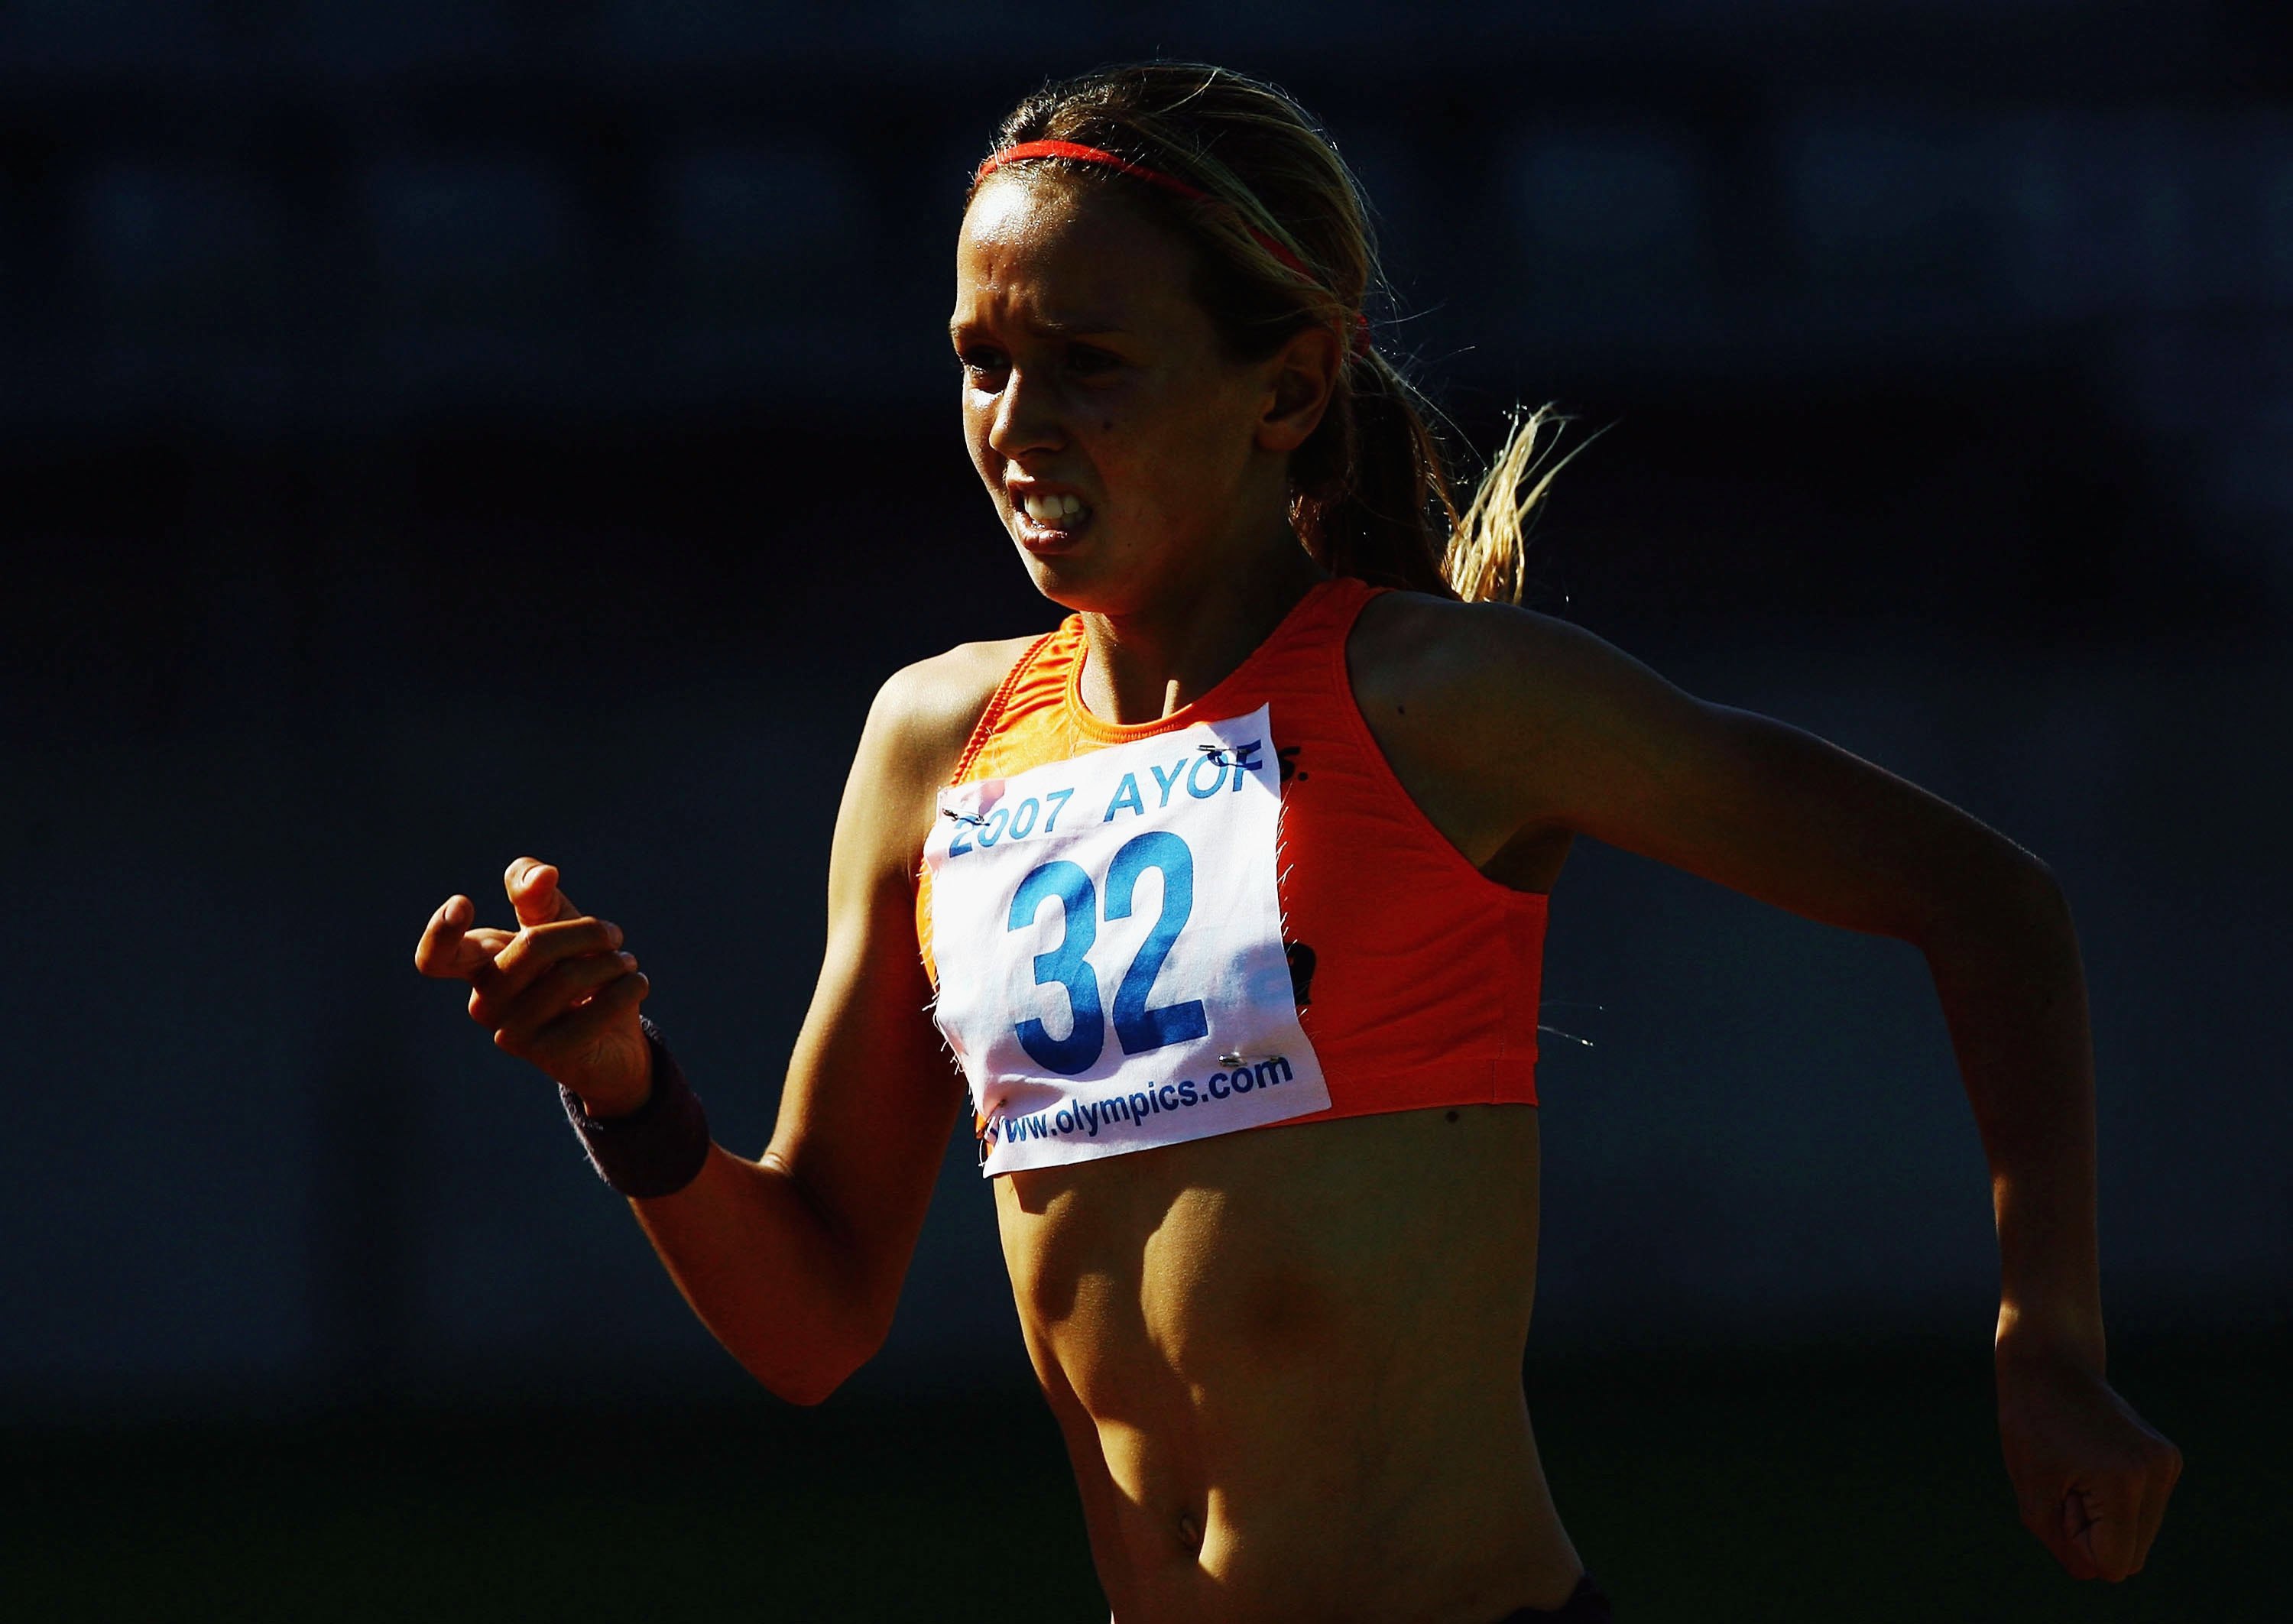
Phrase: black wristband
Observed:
(657, 1149)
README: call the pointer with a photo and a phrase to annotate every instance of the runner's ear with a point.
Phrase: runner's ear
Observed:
(1305, 375)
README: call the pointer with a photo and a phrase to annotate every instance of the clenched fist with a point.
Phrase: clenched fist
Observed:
(557, 991)
(2091, 1477)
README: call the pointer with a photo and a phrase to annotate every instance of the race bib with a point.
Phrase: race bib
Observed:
(1109, 945)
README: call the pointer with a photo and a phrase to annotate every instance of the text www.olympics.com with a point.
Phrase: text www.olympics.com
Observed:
(1087, 1117)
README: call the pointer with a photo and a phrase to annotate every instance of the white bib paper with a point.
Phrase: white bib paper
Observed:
(1109, 945)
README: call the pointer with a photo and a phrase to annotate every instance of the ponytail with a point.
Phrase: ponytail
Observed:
(1371, 496)
(1486, 558)
(1389, 516)
(1285, 245)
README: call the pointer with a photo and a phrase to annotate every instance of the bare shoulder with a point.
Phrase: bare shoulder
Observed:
(1446, 670)
(1503, 723)
(924, 714)
(1413, 635)
(917, 728)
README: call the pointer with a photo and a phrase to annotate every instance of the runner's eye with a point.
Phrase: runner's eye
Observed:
(1090, 362)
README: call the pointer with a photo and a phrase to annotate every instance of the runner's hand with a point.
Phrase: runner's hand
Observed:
(2091, 1477)
(555, 991)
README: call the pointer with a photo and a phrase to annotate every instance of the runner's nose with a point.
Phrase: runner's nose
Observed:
(1027, 417)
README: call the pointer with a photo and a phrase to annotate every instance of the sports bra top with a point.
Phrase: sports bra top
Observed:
(1343, 957)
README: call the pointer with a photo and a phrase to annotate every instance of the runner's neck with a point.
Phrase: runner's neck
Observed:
(1144, 666)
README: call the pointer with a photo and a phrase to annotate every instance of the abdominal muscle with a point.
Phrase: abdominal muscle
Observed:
(1287, 1365)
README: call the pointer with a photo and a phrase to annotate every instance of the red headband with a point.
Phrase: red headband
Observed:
(1078, 153)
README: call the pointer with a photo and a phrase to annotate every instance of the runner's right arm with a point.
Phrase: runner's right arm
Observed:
(795, 1260)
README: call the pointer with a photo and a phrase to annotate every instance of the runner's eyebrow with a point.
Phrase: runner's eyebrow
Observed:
(1087, 325)
(1081, 326)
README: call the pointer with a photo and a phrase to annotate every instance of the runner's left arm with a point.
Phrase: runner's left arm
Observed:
(1615, 752)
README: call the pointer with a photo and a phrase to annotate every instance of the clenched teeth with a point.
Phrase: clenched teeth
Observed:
(1050, 509)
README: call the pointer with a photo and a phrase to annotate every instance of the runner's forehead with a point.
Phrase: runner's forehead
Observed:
(1063, 262)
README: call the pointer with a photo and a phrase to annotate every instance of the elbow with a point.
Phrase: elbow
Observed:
(834, 1353)
(2034, 892)
(813, 1384)
(806, 1391)
(803, 1344)
(2016, 897)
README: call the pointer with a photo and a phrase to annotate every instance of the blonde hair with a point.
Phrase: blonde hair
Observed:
(1286, 244)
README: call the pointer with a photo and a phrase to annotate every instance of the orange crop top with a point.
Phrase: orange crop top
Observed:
(1415, 974)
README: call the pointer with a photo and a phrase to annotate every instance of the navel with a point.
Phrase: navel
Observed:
(1190, 1533)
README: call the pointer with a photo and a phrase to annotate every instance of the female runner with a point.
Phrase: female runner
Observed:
(1229, 896)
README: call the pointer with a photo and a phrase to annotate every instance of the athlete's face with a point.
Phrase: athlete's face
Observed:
(1131, 459)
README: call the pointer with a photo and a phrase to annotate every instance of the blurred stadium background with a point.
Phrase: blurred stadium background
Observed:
(436, 433)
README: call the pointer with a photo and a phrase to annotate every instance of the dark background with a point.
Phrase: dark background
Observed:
(436, 433)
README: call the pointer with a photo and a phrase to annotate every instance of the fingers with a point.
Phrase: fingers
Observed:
(557, 991)
(452, 949)
(2124, 1506)
(2157, 1487)
(2116, 1535)
(2059, 1519)
(532, 887)
(2104, 1530)
(2091, 1477)
(2084, 1537)
(563, 987)
(2153, 1510)
(570, 1042)
(530, 956)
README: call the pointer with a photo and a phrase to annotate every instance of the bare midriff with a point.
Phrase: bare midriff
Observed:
(1287, 1363)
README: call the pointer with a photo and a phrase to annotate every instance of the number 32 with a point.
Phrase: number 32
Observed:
(1137, 1028)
